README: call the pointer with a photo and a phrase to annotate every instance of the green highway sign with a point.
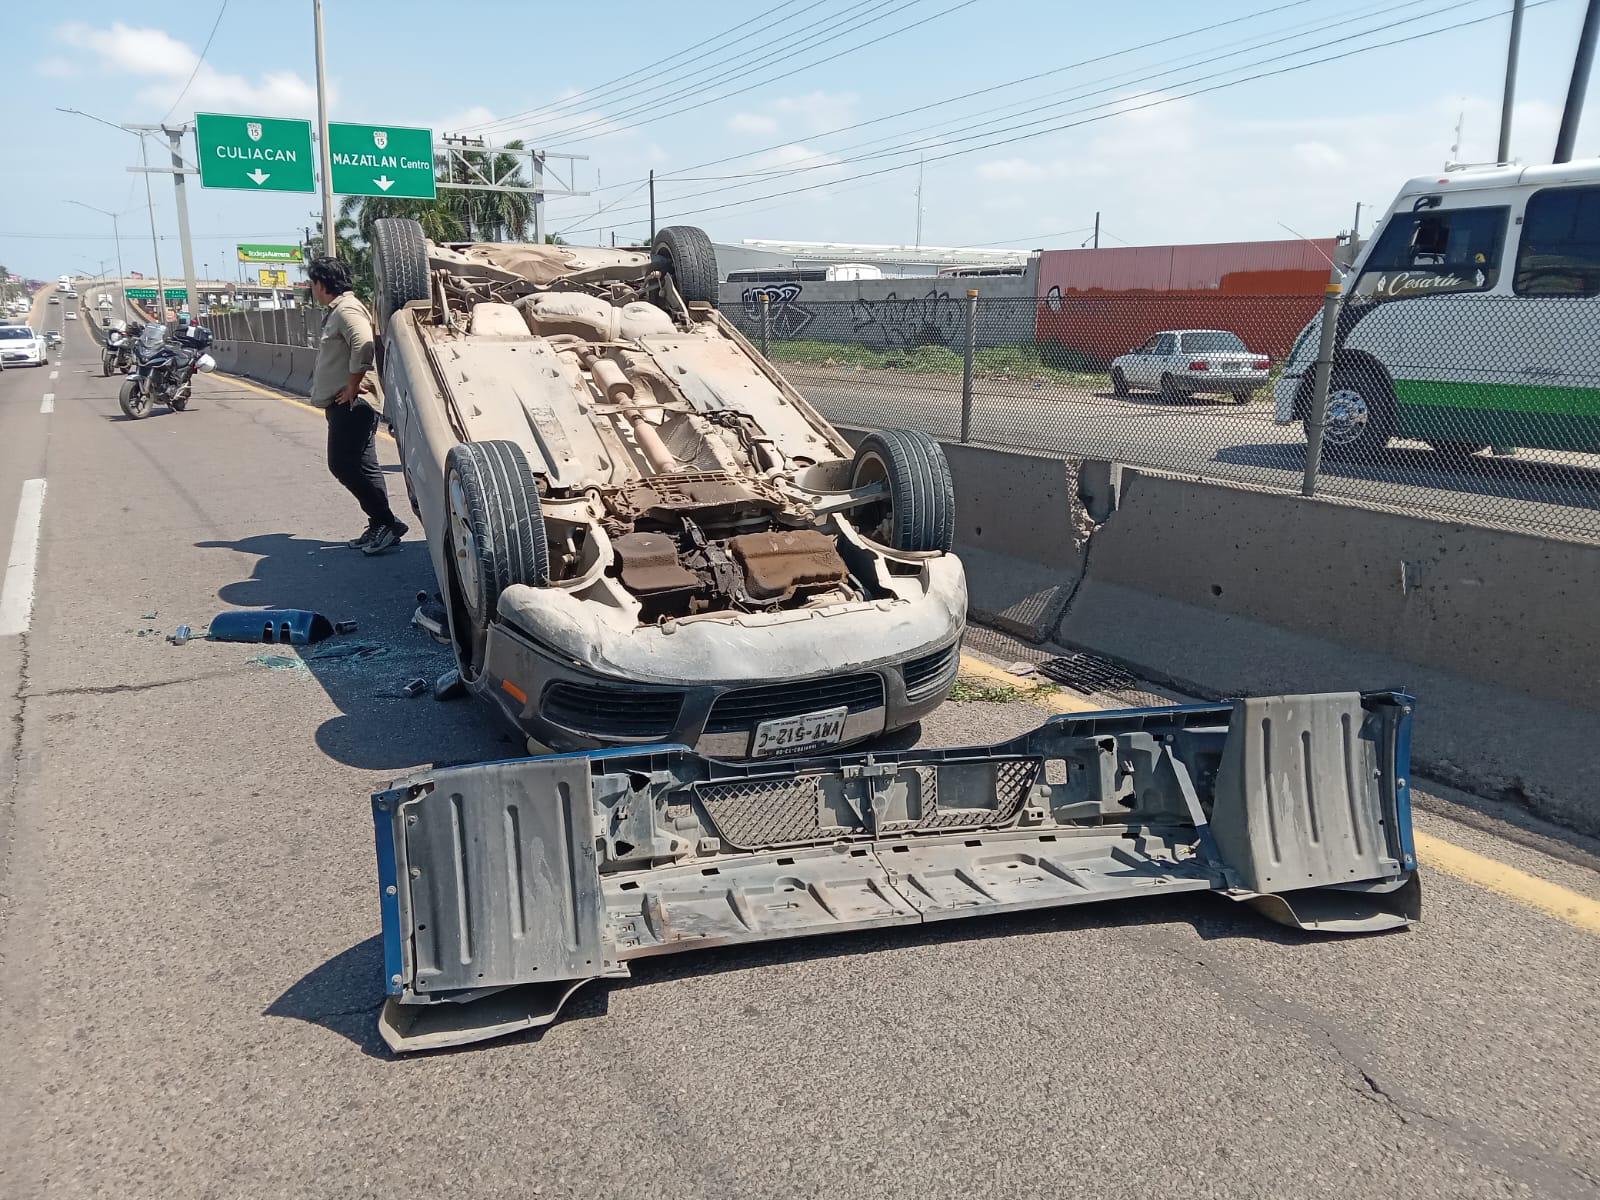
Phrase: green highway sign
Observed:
(144, 293)
(271, 254)
(382, 160)
(254, 154)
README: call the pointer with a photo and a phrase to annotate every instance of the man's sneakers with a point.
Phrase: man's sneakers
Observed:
(360, 543)
(383, 537)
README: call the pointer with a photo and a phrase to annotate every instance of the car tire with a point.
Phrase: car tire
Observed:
(134, 405)
(495, 530)
(1168, 389)
(685, 252)
(399, 266)
(920, 513)
(1119, 382)
(1365, 394)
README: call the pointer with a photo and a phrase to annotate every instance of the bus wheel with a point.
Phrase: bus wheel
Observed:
(1360, 414)
(1457, 450)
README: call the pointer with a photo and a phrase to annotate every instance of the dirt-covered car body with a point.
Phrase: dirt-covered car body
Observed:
(640, 531)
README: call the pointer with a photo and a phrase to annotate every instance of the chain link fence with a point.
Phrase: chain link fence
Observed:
(1485, 408)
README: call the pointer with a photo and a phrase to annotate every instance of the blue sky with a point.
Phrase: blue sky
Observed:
(1161, 163)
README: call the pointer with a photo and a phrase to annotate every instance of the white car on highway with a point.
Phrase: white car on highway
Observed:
(21, 346)
(1186, 362)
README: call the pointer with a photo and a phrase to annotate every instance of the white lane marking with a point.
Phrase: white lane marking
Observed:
(53, 374)
(48, 404)
(16, 594)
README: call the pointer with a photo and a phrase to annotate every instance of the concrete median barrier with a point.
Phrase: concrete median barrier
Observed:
(301, 364)
(1221, 590)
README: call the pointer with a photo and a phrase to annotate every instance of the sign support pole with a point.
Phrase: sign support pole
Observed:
(330, 243)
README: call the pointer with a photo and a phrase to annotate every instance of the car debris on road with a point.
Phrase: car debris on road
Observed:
(506, 886)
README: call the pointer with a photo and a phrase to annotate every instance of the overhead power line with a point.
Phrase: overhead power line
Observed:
(577, 98)
(199, 62)
(922, 108)
(970, 132)
(1159, 101)
(768, 80)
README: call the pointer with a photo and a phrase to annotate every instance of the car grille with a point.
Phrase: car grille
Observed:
(926, 675)
(748, 707)
(612, 712)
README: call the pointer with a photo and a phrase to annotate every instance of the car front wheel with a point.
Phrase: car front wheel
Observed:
(1119, 382)
(1360, 419)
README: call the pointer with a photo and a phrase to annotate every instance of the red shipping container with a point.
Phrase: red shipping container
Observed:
(1097, 304)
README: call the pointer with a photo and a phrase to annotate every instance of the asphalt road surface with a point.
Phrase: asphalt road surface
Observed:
(191, 963)
(1200, 436)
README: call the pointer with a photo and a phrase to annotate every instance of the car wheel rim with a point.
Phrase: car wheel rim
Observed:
(877, 519)
(1348, 414)
(464, 545)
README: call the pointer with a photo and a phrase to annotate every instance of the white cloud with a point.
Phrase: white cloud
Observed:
(818, 111)
(746, 122)
(55, 67)
(1318, 156)
(157, 56)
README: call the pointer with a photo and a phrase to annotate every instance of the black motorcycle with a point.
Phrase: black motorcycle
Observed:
(116, 355)
(163, 369)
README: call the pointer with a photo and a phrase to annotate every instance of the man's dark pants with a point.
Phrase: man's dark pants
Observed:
(353, 458)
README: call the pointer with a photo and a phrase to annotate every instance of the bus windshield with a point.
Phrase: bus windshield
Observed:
(1434, 250)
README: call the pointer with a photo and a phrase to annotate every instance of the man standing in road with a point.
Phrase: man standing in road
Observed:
(344, 356)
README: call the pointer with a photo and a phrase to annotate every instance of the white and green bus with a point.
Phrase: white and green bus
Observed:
(1471, 319)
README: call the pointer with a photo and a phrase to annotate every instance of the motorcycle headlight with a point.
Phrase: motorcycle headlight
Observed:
(205, 363)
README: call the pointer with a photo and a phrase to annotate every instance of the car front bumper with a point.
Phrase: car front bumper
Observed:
(505, 886)
(574, 683)
(1284, 392)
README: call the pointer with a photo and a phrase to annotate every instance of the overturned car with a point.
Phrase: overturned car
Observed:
(641, 532)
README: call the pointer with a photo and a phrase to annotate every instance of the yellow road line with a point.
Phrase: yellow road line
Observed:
(266, 391)
(1552, 899)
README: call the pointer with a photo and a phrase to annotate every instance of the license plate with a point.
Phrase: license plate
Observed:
(794, 735)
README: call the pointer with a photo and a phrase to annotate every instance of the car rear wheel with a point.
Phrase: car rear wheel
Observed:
(399, 266)
(686, 253)
(496, 538)
(919, 513)
(1119, 382)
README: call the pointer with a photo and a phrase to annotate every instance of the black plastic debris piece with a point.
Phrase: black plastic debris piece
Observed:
(288, 626)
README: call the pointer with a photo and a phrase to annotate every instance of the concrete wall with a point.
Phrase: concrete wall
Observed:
(886, 314)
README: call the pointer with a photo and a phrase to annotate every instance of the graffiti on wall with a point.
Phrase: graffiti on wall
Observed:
(895, 324)
(788, 316)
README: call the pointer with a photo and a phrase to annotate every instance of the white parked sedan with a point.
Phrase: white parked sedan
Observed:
(20, 346)
(1189, 362)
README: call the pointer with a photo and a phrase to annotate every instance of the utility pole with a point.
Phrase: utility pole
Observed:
(330, 244)
(1581, 63)
(652, 205)
(155, 248)
(1096, 229)
(1513, 48)
(918, 243)
(175, 142)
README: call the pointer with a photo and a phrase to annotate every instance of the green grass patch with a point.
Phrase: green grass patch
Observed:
(969, 690)
(996, 362)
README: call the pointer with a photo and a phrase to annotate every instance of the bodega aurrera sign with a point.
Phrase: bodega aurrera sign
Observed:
(254, 154)
(382, 160)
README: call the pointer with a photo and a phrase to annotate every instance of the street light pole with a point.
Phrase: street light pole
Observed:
(330, 244)
(1578, 87)
(175, 141)
(116, 233)
(1512, 51)
(155, 247)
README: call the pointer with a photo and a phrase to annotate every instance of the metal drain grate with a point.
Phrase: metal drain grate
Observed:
(1087, 673)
